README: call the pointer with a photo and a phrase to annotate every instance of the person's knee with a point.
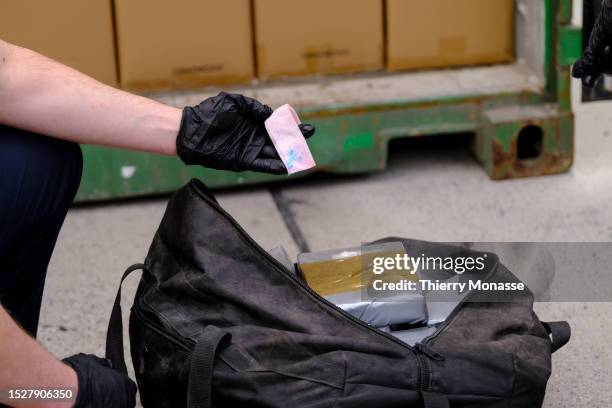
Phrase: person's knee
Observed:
(39, 169)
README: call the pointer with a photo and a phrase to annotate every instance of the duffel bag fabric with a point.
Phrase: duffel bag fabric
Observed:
(218, 322)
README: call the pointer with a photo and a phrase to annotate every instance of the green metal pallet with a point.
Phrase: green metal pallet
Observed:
(527, 103)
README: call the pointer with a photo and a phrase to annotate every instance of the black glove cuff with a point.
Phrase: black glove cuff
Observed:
(193, 130)
(80, 401)
(184, 146)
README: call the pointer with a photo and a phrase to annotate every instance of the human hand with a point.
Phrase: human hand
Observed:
(99, 385)
(227, 132)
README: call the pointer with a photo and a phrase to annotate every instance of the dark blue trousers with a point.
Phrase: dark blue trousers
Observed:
(39, 177)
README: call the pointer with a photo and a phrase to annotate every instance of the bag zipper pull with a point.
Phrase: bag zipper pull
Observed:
(429, 352)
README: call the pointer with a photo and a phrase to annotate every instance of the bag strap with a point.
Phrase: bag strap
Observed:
(560, 333)
(199, 391)
(114, 334)
(434, 400)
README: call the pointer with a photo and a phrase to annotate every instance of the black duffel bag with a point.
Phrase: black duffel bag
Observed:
(219, 322)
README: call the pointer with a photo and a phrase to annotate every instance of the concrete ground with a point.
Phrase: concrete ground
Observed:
(438, 194)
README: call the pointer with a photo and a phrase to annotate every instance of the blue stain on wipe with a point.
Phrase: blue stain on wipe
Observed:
(291, 159)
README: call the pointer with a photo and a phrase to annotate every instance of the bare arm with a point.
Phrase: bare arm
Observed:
(27, 365)
(44, 96)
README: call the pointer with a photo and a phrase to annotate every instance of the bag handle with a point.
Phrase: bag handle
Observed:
(560, 333)
(199, 390)
(114, 334)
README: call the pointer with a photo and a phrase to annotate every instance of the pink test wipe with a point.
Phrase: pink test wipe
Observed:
(288, 140)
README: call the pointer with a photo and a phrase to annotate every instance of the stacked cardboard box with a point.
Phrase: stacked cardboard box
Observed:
(445, 33)
(76, 32)
(295, 38)
(183, 44)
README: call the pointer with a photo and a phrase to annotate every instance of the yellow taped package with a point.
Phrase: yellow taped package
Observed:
(351, 269)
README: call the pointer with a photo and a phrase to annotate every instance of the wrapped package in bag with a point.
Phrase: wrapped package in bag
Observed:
(342, 276)
(405, 310)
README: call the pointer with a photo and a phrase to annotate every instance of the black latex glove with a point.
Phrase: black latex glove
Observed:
(227, 132)
(597, 58)
(99, 385)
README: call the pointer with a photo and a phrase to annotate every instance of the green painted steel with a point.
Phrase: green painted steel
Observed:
(355, 139)
(570, 45)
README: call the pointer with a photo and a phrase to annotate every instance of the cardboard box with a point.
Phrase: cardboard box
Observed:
(294, 38)
(183, 43)
(445, 33)
(75, 32)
